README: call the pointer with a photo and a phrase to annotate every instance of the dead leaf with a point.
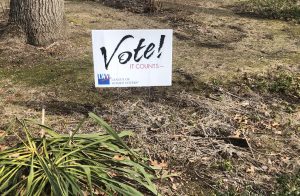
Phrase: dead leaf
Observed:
(245, 103)
(270, 162)
(265, 124)
(241, 119)
(112, 174)
(285, 159)
(16, 155)
(172, 179)
(2, 133)
(206, 158)
(174, 186)
(275, 125)
(265, 168)
(238, 118)
(267, 113)
(251, 170)
(259, 144)
(2, 147)
(119, 157)
(236, 134)
(85, 193)
(278, 132)
(42, 133)
(99, 192)
(158, 165)
(272, 170)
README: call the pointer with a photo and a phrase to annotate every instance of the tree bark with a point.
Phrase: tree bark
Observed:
(42, 21)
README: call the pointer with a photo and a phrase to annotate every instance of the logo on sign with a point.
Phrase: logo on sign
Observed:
(103, 79)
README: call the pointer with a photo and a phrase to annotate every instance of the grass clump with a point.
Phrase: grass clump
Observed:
(76, 164)
(282, 83)
(277, 9)
(289, 184)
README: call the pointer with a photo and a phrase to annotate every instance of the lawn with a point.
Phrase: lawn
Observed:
(229, 123)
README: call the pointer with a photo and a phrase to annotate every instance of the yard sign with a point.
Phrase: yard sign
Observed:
(132, 58)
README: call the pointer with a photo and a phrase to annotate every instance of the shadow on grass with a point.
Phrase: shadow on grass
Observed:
(170, 7)
(55, 107)
(261, 12)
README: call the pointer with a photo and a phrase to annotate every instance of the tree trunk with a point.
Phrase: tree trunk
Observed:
(41, 21)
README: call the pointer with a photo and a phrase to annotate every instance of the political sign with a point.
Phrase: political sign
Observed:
(132, 58)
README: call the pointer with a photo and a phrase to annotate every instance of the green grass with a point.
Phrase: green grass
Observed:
(75, 164)
(54, 73)
(278, 9)
(72, 79)
(289, 184)
(282, 83)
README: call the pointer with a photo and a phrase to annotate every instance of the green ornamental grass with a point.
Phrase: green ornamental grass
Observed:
(77, 164)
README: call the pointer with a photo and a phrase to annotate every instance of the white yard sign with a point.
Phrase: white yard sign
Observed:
(132, 58)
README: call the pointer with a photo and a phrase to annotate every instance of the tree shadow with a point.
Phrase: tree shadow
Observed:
(172, 6)
(3, 27)
(265, 14)
(151, 95)
(201, 34)
(56, 107)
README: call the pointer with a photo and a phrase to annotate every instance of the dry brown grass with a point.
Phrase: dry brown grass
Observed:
(190, 124)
